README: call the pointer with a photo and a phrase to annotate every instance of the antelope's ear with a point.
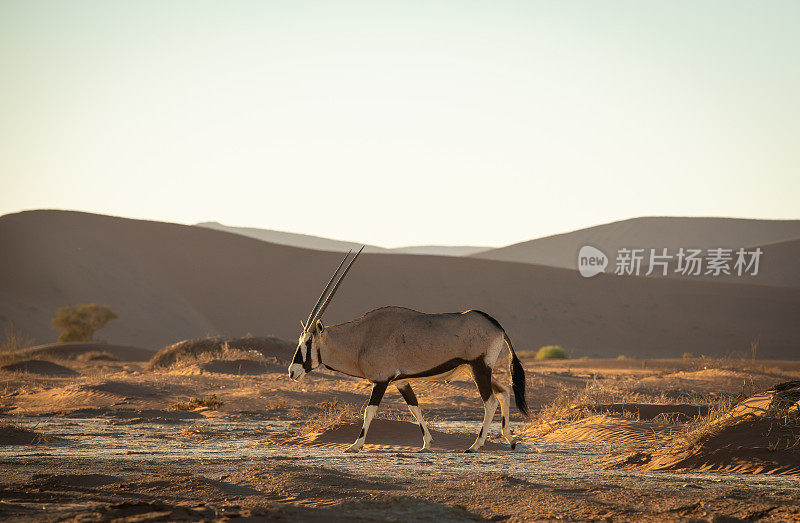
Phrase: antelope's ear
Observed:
(320, 327)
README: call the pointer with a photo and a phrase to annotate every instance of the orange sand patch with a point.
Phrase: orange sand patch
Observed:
(602, 428)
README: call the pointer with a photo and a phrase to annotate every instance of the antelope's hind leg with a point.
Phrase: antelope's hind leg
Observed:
(482, 375)
(413, 405)
(378, 390)
(503, 395)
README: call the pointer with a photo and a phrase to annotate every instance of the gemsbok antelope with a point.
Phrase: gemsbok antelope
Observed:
(397, 345)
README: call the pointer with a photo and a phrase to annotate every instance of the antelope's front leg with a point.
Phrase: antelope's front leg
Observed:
(374, 400)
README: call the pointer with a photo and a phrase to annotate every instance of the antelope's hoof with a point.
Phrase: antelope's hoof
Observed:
(470, 451)
(514, 446)
(352, 449)
(424, 449)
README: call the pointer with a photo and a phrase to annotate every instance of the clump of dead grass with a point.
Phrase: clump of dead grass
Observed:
(211, 402)
(12, 433)
(331, 414)
(216, 348)
(13, 339)
(197, 432)
(572, 405)
(276, 404)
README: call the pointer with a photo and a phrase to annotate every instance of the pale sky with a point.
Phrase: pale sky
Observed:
(399, 123)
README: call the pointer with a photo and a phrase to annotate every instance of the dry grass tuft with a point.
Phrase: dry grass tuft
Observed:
(17, 434)
(207, 349)
(14, 339)
(331, 414)
(276, 404)
(781, 416)
(197, 432)
(573, 405)
(211, 402)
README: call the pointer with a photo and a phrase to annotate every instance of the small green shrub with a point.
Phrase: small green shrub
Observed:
(80, 322)
(551, 352)
(688, 356)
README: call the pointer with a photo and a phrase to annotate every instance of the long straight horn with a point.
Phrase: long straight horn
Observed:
(312, 317)
(330, 296)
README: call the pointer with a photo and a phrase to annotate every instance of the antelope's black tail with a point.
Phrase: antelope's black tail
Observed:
(517, 379)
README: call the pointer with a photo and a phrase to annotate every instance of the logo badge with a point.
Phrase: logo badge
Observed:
(591, 261)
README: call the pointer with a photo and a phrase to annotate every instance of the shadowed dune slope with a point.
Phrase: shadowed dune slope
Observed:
(561, 250)
(170, 282)
(46, 368)
(75, 349)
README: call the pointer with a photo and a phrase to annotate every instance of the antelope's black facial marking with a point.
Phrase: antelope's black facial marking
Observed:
(307, 360)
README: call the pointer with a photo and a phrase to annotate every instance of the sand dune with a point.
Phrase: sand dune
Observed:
(72, 350)
(612, 430)
(170, 282)
(757, 435)
(561, 250)
(44, 368)
(307, 241)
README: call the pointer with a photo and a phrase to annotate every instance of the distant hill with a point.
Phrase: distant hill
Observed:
(307, 241)
(561, 250)
(170, 282)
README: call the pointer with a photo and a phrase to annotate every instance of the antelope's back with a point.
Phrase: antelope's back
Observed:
(413, 341)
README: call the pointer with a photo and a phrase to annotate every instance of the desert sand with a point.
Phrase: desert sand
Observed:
(225, 434)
